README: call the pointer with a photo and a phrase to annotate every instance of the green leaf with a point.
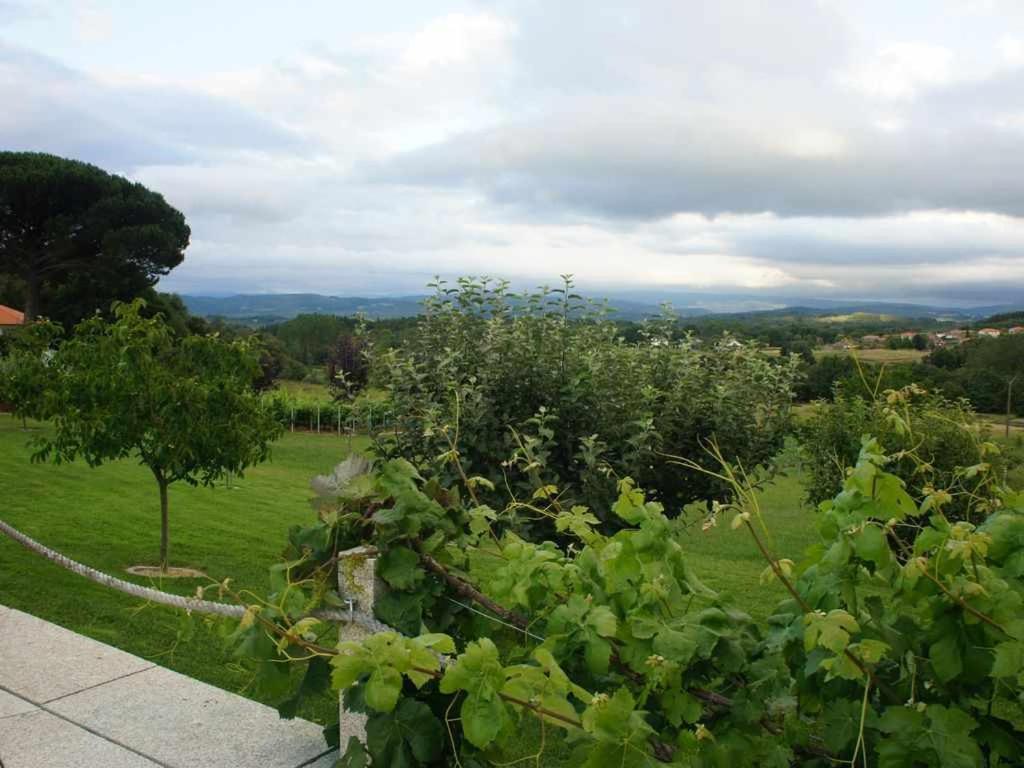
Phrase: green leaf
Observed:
(891, 494)
(401, 610)
(676, 646)
(949, 733)
(355, 755)
(602, 620)
(483, 717)
(348, 668)
(409, 736)
(383, 689)
(946, 657)
(597, 654)
(400, 568)
(439, 642)
(1009, 659)
(679, 707)
(870, 544)
(630, 504)
(831, 630)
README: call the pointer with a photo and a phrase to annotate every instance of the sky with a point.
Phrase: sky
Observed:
(825, 148)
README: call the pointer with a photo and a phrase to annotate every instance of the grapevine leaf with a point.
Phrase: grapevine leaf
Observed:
(476, 670)
(355, 755)
(348, 668)
(676, 646)
(602, 620)
(946, 657)
(483, 717)
(597, 654)
(870, 544)
(679, 707)
(400, 567)
(949, 733)
(831, 630)
(409, 736)
(383, 689)
(1009, 659)
(401, 610)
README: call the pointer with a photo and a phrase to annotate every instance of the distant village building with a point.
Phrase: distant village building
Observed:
(1016, 329)
(10, 318)
(872, 340)
(990, 332)
(948, 338)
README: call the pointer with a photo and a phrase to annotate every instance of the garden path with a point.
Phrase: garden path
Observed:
(68, 700)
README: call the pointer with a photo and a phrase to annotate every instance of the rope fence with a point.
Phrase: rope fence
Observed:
(181, 602)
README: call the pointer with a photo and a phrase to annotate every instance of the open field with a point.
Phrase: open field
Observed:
(998, 423)
(878, 355)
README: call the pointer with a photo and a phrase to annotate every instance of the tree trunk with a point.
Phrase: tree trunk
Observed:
(164, 537)
(1009, 404)
(32, 291)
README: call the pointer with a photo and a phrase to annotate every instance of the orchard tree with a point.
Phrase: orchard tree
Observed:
(73, 237)
(185, 406)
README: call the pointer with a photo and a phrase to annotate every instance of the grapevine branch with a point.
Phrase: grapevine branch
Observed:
(464, 589)
(467, 590)
(964, 604)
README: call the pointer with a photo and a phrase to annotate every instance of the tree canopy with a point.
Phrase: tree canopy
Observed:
(74, 238)
(185, 406)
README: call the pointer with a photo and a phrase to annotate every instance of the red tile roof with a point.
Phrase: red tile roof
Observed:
(10, 316)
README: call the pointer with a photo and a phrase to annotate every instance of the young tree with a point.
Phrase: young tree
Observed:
(184, 405)
(74, 237)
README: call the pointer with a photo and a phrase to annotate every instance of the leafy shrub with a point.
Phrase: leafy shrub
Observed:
(538, 389)
(938, 444)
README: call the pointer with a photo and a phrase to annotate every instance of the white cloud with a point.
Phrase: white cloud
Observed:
(901, 70)
(454, 40)
(782, 147)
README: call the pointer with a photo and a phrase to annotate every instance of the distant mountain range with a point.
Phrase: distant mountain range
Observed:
(259, 309)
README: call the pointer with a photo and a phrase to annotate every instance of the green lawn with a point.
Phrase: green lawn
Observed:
(728, 561)
(108, 518)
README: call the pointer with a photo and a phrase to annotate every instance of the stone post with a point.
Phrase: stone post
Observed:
(358, 583)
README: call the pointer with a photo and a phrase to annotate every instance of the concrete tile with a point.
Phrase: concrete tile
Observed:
(41, 740)
(42, 661)
(12, 705)
(182, 722)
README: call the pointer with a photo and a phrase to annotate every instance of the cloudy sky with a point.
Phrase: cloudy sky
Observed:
(831, 148)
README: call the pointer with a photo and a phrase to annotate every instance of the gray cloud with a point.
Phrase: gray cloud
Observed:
(621, 159)
(121, 126)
